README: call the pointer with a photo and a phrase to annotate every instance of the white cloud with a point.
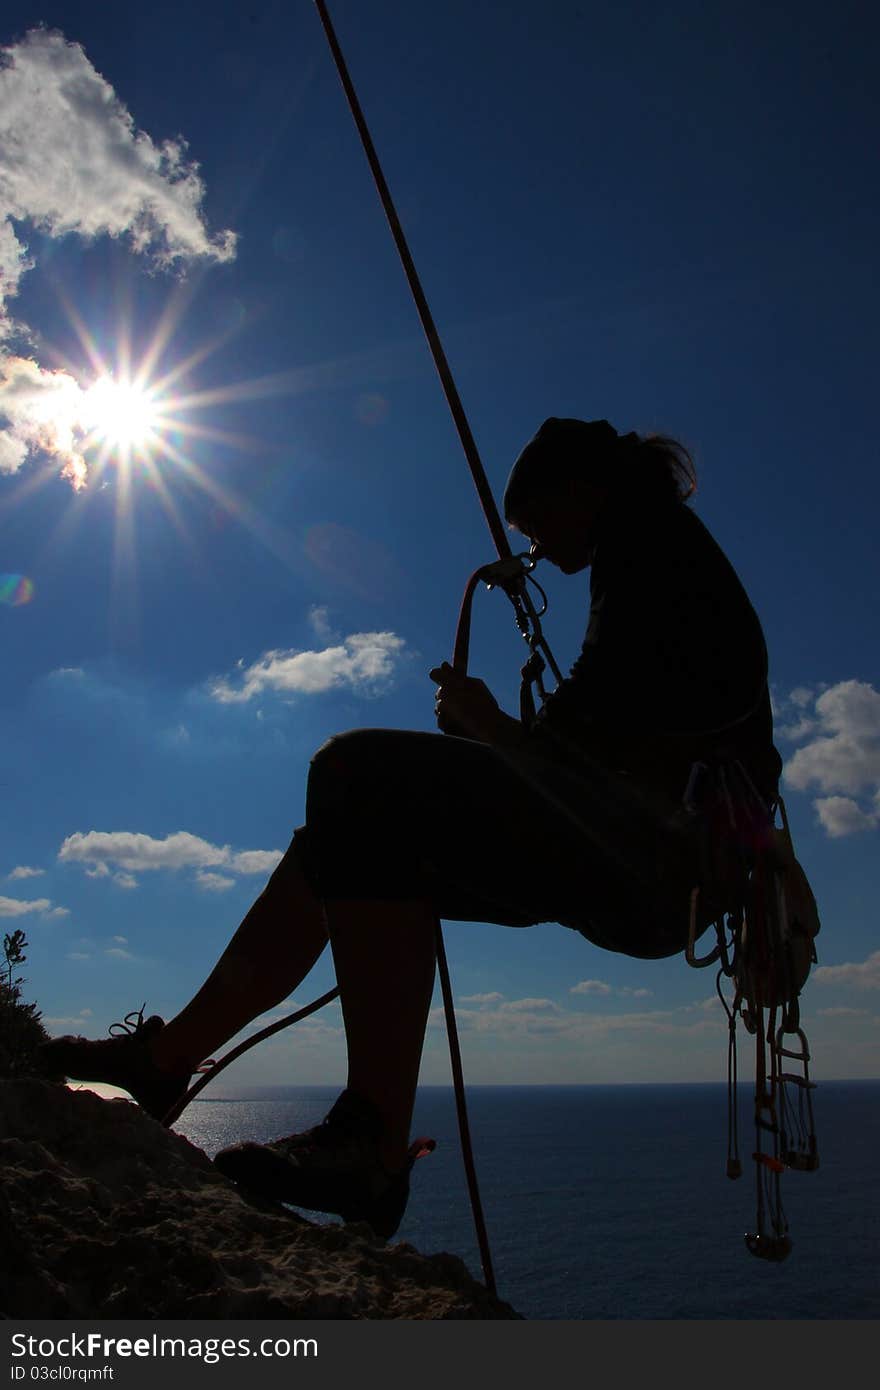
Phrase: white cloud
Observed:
(493, 998)
(18, 907)
(213, 883)
(132, 851)
(840, 816)
(121, 940)
(365, 662)
(118, 953)
(59, 912)
(255, 861)
(44, 413)
(72, 161)
(23, 871)
(841, 755)
(126, 852)
(861, 975)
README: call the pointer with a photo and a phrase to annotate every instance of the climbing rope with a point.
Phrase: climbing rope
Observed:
(209, 1070)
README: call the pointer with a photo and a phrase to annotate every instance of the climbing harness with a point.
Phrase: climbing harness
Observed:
(765, 944)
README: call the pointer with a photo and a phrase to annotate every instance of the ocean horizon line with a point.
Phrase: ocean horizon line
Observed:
(278, 1091)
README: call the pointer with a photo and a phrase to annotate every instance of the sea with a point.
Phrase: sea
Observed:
(612, 1202)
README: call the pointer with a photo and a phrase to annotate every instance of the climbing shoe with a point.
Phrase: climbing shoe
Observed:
(124, 1059)
(332, 1168)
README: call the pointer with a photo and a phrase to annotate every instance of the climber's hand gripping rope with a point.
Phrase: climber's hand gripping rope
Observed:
(464, 705)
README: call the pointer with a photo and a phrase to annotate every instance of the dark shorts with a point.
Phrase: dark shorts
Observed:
(495, 836)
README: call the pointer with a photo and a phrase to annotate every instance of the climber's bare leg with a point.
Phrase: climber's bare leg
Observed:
(384, 957)
(272, 951)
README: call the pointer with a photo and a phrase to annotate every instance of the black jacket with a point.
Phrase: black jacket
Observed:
(673, 668)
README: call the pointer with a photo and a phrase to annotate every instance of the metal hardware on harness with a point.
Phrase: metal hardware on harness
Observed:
(763, 951)
(512, 573)
(797, 1138)
(510, 567)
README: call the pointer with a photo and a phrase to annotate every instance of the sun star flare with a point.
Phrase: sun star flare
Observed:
(121, 414)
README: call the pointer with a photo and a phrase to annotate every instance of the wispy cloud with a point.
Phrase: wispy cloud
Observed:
(365, 662)
(542, 1018)
(23, 871)
(24, 907)
(82, 1017)
(602, 990)
(843, 1013)
(838, 728)
(213, 883)
(525, 1006)
(319, 621)
(858, 975)
(72, 161)
(123, 853)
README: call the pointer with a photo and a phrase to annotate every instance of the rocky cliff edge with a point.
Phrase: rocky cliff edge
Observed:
(105, 1214)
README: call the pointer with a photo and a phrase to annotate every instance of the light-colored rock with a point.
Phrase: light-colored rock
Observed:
(103, 1213)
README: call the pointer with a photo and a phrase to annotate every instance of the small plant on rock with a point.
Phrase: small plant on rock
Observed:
(21, 1032)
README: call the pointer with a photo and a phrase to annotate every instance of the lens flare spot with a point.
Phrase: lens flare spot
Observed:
(371, 408)
(15, 589)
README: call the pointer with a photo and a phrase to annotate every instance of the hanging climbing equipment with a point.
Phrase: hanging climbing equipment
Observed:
(765, 946)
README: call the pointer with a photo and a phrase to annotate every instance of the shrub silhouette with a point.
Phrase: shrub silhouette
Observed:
(21, 1031)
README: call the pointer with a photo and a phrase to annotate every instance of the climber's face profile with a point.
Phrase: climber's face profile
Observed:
(561, 523)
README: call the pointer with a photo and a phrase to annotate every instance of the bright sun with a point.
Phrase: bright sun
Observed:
(121, 414)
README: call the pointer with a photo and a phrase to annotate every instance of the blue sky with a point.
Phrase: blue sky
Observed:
(663, 215)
